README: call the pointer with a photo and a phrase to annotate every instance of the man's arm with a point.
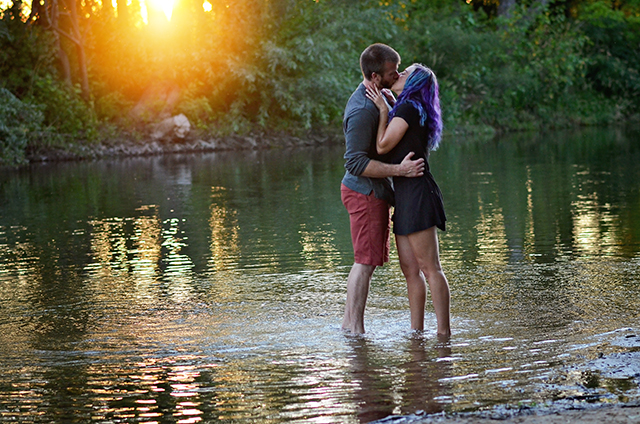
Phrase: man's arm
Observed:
(407, 168)
(359, 131)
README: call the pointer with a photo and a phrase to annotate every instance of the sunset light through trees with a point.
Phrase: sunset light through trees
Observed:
(94, 68)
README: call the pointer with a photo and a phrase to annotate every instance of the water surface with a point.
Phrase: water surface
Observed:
(211, 286)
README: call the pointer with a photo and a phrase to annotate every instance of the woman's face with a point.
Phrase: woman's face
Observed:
(398, 86)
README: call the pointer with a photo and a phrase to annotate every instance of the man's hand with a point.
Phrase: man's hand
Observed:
(407, 168)
(411, 168)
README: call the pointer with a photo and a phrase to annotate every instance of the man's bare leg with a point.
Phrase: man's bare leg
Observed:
(357, 292)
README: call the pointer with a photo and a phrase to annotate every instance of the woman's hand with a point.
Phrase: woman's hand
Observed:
(387, 138)
(388, 94)
(374, 94)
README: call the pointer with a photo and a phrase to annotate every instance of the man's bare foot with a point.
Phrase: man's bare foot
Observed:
(351, 333)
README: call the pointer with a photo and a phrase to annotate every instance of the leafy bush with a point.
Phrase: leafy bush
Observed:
(196, 107)
(20, 123)
(522, 72)
(302, 70)
(64, 109)
(113, 106)
(614, 66)
(27, 53)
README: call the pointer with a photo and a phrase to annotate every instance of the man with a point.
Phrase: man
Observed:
(366, 188)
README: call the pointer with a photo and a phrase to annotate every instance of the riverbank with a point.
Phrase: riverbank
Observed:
(592, 414)
(591, 403)
(129, 147)
(196, 142)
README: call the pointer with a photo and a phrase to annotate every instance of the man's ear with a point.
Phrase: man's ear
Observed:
(375, 78)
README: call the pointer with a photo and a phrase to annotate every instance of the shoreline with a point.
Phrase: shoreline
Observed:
(609, 413)
(127, 148)
(128, 145)
(123, 145)
(591, 406)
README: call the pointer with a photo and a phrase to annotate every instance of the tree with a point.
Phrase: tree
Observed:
(48, 15)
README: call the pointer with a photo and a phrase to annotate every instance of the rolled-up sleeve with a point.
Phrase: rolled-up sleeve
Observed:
(359, 130)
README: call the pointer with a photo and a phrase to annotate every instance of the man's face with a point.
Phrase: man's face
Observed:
(388, 77)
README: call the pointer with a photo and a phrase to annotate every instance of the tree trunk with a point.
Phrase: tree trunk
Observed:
(77, 40)
(46, 15)
(63, 60)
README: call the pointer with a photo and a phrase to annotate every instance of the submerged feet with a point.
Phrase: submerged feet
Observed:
(444, 337)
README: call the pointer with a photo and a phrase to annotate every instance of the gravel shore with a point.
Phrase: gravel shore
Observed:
(602, 414)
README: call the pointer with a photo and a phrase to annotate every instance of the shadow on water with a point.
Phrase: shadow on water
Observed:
(211, 286)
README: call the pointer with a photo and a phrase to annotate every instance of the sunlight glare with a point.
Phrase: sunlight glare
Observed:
(165, 5)
(24, 6)
(208, 7)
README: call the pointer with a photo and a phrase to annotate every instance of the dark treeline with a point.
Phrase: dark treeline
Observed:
(80, 72)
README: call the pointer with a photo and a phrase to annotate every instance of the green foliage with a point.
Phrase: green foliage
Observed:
(20, 123)
(112, 107)
(614, 68)
(523, 72)
(537, 68)
(64, 110)
(27, 52)
(290, 65)
(33, 92)
(198, 110)
(302, 69)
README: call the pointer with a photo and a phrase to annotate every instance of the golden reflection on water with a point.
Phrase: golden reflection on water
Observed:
(140, 250)
(21, 277)
(319, 247)
(156, 388)
(529, 233)
(109, 247)
(177, 264)
(147, 250)
(595, 228)
(491, 236)
(118, 270)
(223, 224)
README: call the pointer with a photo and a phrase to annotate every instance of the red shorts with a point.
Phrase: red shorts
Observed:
(370, 225)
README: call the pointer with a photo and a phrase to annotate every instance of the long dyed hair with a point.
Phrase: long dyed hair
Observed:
(421, 90)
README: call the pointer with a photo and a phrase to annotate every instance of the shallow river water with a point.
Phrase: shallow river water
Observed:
(210, 287)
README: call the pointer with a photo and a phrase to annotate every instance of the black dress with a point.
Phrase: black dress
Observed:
(419, 204)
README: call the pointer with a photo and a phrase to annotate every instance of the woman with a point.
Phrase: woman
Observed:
(415, 125)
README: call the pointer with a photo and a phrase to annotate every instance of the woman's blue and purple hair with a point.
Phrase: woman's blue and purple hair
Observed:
(421, 90)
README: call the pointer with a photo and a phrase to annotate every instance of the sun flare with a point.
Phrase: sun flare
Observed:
(165, 5)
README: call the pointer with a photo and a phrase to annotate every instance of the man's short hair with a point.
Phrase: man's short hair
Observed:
(374, 57)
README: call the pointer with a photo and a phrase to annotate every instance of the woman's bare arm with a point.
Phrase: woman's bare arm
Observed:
(388, 135)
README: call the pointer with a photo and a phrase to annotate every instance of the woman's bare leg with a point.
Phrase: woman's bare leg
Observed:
(425, 248)
(416, 286)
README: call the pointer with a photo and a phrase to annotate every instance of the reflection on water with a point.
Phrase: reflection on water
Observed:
(210, 287)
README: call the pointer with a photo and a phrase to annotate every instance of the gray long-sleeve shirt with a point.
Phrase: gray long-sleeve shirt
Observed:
(360, 125)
